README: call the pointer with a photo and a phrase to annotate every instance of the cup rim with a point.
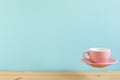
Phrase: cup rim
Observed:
(99, 49)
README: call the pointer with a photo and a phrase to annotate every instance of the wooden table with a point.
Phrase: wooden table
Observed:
(96, 75)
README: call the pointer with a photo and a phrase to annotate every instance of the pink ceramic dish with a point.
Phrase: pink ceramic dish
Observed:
(100, 65)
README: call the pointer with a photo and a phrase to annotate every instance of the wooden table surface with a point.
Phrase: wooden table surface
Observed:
(96, 75)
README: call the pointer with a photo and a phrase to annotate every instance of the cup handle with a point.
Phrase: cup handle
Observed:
(83, 55)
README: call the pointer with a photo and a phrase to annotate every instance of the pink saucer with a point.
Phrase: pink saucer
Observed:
(100, 65)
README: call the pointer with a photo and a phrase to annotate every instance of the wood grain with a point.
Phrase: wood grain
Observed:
(98, 75)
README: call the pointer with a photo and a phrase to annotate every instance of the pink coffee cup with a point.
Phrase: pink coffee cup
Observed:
(98, 55)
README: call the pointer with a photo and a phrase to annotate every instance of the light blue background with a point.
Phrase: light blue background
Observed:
(50, 35)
